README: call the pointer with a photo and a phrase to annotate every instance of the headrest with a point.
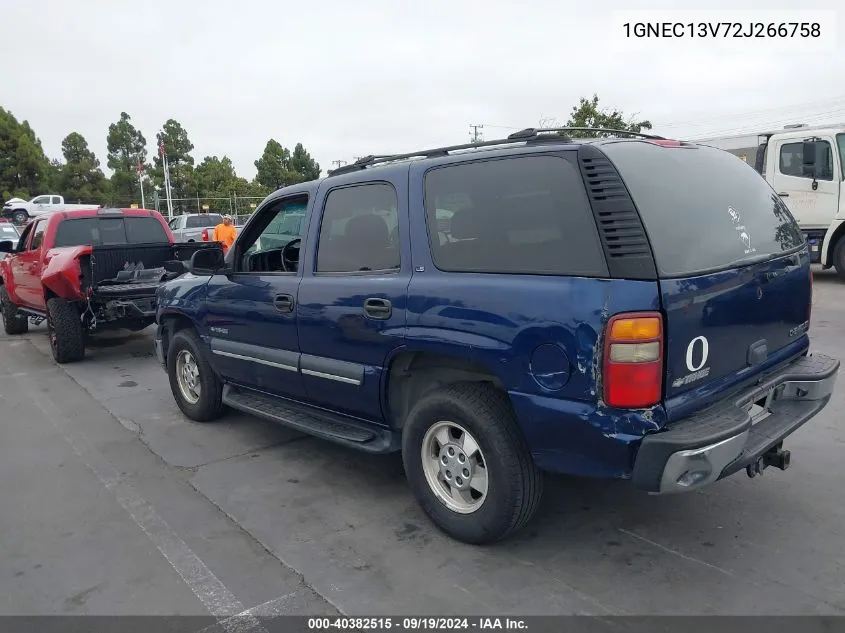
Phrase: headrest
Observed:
(463, 225)
(370, 228)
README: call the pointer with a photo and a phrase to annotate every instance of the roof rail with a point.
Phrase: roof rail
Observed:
(533, 132)
(369, 161)
(526, 135)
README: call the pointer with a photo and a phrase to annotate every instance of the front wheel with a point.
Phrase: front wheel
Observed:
(14, 322)
(64, 327)
(20, 217)
(468, 464)
(195, 387)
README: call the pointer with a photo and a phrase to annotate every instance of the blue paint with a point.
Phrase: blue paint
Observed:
(539, 336)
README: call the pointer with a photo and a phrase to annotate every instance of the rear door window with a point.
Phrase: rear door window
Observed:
(202, 221)
(525, 215)
(703, 208)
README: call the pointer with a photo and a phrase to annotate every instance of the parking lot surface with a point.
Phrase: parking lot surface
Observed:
(113, 502)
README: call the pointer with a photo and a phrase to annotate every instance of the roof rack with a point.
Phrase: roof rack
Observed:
(534, 132)
(526, 135)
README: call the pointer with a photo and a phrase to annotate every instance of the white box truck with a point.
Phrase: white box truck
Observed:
(806, 167)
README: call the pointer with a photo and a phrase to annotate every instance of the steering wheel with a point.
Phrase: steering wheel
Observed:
(289, 263)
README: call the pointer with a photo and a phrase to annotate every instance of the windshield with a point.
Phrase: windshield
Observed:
(840, 142)
(8, 232)
(703, 208)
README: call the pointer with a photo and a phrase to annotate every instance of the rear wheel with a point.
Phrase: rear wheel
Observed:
(839, 257)
(64, 327)
(195, 387)
(14, 322)
(468, 464)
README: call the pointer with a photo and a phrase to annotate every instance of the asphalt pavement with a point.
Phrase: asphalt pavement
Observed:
(113, 502)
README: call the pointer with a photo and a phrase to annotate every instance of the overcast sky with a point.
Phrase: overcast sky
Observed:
(367, 76)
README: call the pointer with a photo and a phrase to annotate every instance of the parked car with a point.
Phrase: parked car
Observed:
(85, 271)
(597, 308)
(9, 232)
(21, 212)
(190, 226)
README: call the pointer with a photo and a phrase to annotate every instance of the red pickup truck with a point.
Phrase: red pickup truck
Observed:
(84, 271)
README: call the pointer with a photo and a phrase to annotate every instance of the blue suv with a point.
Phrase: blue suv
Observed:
(626, 307)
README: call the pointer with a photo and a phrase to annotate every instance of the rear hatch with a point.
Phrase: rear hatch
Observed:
(735, 279)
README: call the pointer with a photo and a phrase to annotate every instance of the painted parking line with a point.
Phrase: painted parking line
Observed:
(210, 590)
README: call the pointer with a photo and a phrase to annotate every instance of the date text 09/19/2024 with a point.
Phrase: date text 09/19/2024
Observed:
(417, 623)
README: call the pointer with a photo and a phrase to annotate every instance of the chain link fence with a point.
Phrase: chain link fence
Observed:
(239, 207)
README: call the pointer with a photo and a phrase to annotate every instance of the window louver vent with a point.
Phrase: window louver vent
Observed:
(620, 228)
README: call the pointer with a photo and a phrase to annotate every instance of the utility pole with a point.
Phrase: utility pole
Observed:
(474, 134)
(338, 163)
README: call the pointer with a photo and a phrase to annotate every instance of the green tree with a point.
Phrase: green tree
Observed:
(215, 176)
(278, 167)
(272, 169)
(302, 163)
(178, 148)
(588, 114)
(24, 169)
(126, 148)
(80, 178)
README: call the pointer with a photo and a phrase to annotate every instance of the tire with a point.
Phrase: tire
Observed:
(839, 257)
(64, 327)
(13, 321)
(209, 403)
(20, 217)
(514, 484)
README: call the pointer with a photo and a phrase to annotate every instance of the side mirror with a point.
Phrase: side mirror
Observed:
(6, 246)
(808, 152)
(206, 261)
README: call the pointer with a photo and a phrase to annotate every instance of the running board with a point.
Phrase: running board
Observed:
(322, 424)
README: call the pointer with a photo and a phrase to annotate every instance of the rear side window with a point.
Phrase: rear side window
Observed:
(703, 208)
(77, 232)
(526, 215)
(110, 231)
(202, 221)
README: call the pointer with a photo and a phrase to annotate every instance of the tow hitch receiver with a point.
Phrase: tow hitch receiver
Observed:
(775, 456)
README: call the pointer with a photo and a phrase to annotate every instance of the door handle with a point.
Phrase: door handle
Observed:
(783, 195)
(378, 308)
(283, 303)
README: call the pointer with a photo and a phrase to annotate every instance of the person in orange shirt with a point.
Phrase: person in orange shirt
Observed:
(225, 233)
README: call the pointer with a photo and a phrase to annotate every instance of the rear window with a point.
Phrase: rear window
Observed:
(524, 215)
(703, 208)
(203, 221)
(108, 231)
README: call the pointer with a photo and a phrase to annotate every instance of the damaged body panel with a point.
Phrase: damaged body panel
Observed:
(89, 270)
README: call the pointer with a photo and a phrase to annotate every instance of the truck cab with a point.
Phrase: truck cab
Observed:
(806, 167)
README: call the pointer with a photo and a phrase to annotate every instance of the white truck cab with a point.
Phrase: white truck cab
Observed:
(806, 168)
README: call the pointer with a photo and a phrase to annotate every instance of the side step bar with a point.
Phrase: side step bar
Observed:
(320, 424)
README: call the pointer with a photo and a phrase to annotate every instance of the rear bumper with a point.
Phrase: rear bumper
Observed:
(735, 433)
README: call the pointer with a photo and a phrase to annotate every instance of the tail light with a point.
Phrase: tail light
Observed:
(205, 235)
(633, 360)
